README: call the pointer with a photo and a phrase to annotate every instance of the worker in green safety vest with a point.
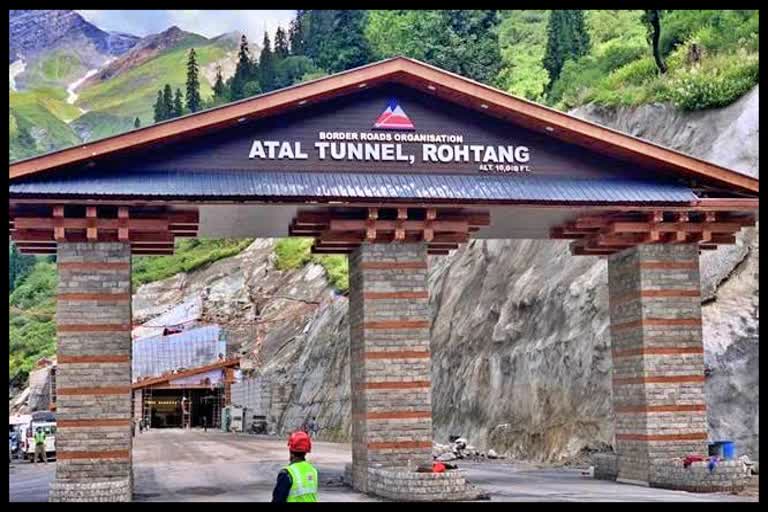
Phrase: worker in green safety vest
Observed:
(297, 482)
(40, 446)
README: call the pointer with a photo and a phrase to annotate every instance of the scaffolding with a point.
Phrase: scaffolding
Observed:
(156, 355)
(146, 406)
(186, 410)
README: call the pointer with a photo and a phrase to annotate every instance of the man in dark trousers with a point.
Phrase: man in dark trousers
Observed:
(40, 438)
(297, 482)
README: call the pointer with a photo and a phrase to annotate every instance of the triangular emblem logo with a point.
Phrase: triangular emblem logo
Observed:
(393, 118)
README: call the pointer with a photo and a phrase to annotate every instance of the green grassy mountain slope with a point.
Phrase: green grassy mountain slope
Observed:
(133, 92)
(42, 120)
(712, 56)
(56, 69)
(97, 125)
(37, 122)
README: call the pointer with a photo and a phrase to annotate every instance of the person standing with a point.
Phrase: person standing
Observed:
(296, 482)
(313, 427)
(40, 438)
(205, 424)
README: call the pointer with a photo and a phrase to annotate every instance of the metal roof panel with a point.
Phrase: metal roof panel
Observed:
(345, 185)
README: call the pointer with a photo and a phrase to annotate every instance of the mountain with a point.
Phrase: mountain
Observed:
(72, 82)
(146, 49)
(61, 38)
(130, 83)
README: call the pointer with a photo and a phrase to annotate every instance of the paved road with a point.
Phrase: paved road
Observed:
(521, 482)
(177, 465)
(30, 482)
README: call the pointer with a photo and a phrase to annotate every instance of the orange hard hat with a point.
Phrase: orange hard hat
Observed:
(299, 442)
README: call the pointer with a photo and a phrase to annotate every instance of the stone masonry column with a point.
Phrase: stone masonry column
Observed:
(658, 359)
(390, 323)
(93, 385)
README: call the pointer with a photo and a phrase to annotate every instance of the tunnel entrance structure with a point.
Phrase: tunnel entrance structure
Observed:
(388, 163)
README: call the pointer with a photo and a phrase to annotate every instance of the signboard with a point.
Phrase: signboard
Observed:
(389, 128)
(398, 144)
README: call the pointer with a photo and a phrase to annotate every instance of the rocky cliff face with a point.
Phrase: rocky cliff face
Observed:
(35, 31)
(520, 338)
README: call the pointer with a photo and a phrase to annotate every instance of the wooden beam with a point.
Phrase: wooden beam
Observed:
(331, 250)
(688, 227)
(86, 222)
(392, 225)
(582, 251)
(91, 231)
(23, 235)
(442, 246)
(56, 223)
(429, 232)
(122, 223)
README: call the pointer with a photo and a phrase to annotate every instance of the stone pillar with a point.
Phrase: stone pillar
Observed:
(93, 385)
(658, 358)
(390, 323)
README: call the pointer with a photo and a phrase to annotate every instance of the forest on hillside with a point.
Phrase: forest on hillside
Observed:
(564, 58)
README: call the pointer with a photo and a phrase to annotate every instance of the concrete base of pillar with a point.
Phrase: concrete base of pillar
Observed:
(401, 484)
(728, 476)
(104, 490)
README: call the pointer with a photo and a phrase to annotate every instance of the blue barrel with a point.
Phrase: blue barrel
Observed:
(729, 450)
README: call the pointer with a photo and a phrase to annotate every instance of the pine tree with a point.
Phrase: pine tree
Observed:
(193, 83)
(137, 123)
(160, 113)
(352, 48)
(652, 21)
(281, 44)
(266, 76)
(178, 104)
(243, 71)
(168, 101)
(567, 38)
(219, 89)
(296, 34)
(335, 39)
(317, 30)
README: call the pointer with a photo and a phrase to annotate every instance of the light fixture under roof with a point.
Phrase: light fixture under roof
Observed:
(549, 128)
(483, 105)
(303, 102)
(242, 119)
(362, 85)
(431, 87)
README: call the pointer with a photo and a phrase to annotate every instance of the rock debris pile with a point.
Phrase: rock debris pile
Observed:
(459, 448)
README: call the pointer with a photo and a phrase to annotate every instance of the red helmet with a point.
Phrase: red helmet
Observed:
(299, 442)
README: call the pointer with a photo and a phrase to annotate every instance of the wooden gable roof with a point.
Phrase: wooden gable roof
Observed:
(168, 377)
(423, 77)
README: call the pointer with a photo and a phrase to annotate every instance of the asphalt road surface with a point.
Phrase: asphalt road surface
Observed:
(178, 465)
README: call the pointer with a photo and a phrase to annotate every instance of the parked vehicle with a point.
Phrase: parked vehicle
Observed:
(13, 442)
(17, 428)
(49, 428)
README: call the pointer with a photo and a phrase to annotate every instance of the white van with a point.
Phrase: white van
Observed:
(49, 427)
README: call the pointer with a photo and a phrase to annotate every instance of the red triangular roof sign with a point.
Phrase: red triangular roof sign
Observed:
(393, 118)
